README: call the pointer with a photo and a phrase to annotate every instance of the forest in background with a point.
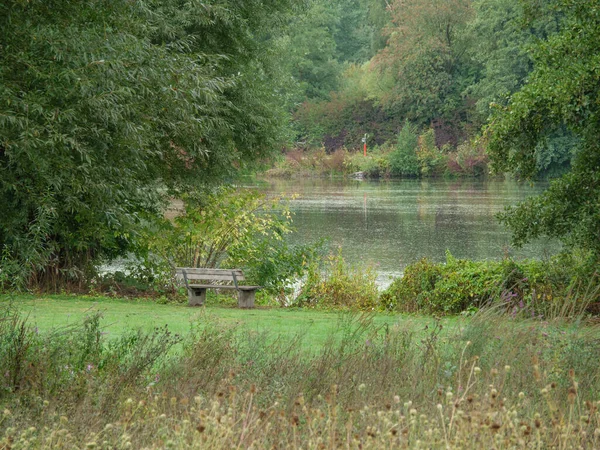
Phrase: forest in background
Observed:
(432, 69)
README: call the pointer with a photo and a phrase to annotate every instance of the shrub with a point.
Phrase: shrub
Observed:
(405, 293)
(528, 287)
(228, 228)
(431, 159)
(403, 159)
(469, 159)
(339, 285)
(374, 165)
(313, 162)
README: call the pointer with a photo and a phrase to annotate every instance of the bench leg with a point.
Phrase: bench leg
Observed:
(196, 296)
(246, 299)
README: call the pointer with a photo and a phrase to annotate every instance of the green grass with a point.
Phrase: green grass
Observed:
(53, 311)
(489, 381)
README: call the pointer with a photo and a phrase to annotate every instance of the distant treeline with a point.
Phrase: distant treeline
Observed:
(370, 66)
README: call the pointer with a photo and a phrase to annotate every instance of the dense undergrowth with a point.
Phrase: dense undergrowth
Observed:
(528, 287)
(412, 155)
(564, 285)
(496, 382)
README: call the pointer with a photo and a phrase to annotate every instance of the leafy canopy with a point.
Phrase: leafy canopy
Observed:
(107, 107)
(562, 90)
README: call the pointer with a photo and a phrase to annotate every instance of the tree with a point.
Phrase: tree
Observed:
(562, 90)
(311, 51)
(425, 55)
(403, 160)
(109, 107)
(501, 38)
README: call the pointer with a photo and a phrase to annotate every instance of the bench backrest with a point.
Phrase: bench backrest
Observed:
(193, 273)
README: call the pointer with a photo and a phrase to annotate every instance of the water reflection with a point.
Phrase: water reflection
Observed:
(394, 223)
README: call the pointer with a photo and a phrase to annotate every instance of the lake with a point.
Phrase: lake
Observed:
(389, 224)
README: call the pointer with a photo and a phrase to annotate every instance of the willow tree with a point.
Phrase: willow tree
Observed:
(109, 106)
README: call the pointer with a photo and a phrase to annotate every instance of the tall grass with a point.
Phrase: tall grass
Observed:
(495, 383)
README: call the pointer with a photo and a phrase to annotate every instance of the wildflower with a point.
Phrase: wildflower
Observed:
(477, 370)
(521, 395)
(7, 413)
(507, 368)
(362, 387)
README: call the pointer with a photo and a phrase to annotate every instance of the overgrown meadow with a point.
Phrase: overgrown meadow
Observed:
(496, 382)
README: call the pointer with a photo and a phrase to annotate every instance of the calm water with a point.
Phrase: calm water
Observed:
(390, 224)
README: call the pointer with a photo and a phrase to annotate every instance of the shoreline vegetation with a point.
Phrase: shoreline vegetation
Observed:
(389, 162)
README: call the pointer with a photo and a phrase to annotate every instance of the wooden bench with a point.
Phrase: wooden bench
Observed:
(197, 291)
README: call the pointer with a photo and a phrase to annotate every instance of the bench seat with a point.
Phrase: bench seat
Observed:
(197, 291)
(223, 286)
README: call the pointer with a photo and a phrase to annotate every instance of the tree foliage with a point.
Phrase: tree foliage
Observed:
(562, 90)
(106, 107)
(403, 160)
(501, 37)
(425, 55)
(228, 227)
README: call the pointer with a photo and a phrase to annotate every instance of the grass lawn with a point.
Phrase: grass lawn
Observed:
(52, 311)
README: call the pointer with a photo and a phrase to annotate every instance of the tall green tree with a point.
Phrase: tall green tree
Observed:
(562, 90)
(426, 57)
(501, 37)
(311, 51)
(109, 106)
